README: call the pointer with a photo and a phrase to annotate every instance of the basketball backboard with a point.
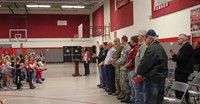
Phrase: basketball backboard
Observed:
(17, 35)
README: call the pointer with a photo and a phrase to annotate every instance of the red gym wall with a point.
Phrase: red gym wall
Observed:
(45, 26)
(98, 20)
(174, 5)
(122, 17)
(172, 39)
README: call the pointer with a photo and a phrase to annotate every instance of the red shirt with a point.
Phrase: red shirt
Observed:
(29, 68)
(86, 56)
(131, 56)
(1, 64)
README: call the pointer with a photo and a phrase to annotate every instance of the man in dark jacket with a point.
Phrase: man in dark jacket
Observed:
(103, 70)
(99, 58)
(184, 63)
(154, 68)
(196, 56)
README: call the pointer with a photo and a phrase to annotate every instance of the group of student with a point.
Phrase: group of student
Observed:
(135, 70)
(15, 69)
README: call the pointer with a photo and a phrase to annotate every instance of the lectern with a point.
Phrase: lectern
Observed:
(76, 73)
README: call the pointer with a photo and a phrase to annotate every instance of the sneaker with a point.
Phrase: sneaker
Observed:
(43, 79)
(5, 88)
(20, 89)
(39, 81)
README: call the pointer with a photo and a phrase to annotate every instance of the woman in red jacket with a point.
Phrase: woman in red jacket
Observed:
(86, 60)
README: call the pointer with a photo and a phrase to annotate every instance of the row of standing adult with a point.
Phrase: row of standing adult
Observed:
(135, 71)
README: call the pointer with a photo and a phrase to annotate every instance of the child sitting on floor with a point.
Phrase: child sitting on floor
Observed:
(39, 69)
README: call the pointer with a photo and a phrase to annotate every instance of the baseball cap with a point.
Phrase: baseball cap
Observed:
(152, 33)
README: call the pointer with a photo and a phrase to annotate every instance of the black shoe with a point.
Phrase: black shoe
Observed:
(32, 87)
(121, 97)
(128, 101)
(43, 79)
(101, 86)
(107, 90)
(110, 93)
(98, 85)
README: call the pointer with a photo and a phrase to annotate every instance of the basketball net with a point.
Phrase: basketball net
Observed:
(17, 39)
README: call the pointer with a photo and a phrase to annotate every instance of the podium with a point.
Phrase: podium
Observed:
(76, 73)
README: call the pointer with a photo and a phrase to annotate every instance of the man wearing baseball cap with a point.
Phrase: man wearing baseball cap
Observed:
(138, 87)
(154, 68)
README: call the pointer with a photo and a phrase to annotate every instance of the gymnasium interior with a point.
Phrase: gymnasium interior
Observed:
(61, 30)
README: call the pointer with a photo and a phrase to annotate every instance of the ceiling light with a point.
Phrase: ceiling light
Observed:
(65, 6)
(38, 6)
(70, 6)
(79, 6)
(32, 6)
(44, 6)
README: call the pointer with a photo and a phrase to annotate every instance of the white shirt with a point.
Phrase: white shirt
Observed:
(110, 54)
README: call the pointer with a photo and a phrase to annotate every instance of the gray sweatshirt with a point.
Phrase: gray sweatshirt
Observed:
(140, 53)
(8, 66)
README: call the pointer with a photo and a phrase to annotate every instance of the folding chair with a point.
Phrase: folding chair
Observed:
(179, 86)
(198, 75)
(192, 75)
(170, 76)
(195, 83)
(167, 85)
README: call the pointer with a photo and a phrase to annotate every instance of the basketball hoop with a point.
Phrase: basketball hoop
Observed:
(20, 33)
(17, 37)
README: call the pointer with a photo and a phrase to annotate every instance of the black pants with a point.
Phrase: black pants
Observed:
(111, 77)
(27, 77)
(87, 67)
(18, 78)
(181, 77)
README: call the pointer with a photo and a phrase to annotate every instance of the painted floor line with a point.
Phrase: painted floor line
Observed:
(74, 96)
(60, 99)
(4, 101)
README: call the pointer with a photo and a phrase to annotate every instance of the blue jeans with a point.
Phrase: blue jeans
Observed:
(132, 75)
(104, 77)
(100, 75)
(30, 74)
(111, 78)
(139, 93)
(154, 91)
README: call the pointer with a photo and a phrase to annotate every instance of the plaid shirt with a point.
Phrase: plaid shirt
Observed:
(131, 57)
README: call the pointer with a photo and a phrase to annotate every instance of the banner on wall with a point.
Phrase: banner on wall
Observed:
(161, 4)
(80, 31)
(120, 3)
(195, 20)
